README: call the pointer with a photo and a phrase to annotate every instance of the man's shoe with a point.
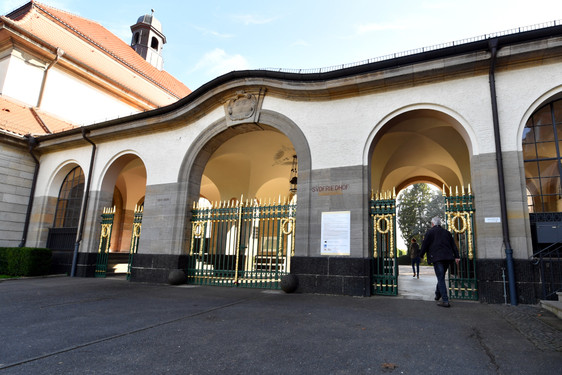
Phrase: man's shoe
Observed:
(414, 275)
(437, 298)
(443, 304)
(418, 275)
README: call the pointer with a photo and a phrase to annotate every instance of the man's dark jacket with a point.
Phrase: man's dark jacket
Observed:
(439, 245)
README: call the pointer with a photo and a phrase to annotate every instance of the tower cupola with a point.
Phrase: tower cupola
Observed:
(148, 39)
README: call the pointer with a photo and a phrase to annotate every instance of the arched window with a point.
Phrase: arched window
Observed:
(70, 200)
(154, 43)
(542, 146)
(136, 38)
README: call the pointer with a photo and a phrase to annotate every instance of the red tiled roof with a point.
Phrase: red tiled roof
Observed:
(20, 119)
(37, 19)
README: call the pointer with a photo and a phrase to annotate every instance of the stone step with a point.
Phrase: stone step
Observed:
(117, 263)
(554, 307)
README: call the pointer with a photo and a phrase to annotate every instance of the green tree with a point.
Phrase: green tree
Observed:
(417, 205)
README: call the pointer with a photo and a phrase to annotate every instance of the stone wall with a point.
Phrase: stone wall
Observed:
(16, 173)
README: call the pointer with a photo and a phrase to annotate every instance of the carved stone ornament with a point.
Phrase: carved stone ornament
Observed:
(242, 107)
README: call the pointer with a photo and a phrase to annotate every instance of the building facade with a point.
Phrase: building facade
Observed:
(477, 118)
(60, 71)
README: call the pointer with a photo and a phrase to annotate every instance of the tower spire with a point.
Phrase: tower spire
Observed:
(148, 39)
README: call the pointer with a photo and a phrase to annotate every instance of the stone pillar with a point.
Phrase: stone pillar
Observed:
(163, 245)
(331, 190)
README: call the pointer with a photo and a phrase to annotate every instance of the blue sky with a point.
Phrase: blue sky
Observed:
(208, 38)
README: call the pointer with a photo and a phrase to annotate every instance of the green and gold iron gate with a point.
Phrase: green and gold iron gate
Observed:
(460, 222)
(242, 244)
(385, 260)
(135, 236)
(105, 241)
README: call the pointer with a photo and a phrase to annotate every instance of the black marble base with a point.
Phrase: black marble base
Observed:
(156, 268)
(327, 275)
(85, 263)
(332, 275)
(493, 281)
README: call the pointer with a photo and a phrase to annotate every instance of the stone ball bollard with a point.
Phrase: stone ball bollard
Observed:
(289, 283)
(177, 277)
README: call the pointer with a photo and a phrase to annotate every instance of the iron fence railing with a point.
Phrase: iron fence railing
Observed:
(463, 282)
(241, 244)
(549, 261)
(61, 239)
(384, 270)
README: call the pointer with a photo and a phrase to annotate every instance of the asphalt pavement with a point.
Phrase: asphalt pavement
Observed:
(63, 325)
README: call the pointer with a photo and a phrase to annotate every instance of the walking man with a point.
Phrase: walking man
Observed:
(441, 250)
(415, 256)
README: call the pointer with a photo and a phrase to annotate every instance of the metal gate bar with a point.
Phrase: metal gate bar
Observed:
(135, 237)
(105, 241)
(385, 260)
(460, 222)
(241, 244)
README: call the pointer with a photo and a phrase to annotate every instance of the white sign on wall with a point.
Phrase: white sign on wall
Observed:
(336, 233)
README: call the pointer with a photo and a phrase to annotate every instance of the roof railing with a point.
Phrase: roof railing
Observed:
(418, 50)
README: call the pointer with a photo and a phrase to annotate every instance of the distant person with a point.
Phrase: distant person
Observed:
(414, 252)
(441, 251)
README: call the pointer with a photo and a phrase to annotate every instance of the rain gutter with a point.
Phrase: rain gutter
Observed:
(59, 54)
(493, 44)
(32, 142)
(84, 205)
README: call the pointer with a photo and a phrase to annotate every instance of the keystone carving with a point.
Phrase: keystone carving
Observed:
(242, 107)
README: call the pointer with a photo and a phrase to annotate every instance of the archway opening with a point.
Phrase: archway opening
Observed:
(419, 147)
(125, 182)
(254, 165)
(242, 229)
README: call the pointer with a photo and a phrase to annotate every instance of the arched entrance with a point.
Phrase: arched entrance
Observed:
(125, 182)
(542, 157)
(67, 191)
(243, 225)
(422, 145)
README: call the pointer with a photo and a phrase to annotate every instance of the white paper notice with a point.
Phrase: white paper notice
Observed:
(335, 235)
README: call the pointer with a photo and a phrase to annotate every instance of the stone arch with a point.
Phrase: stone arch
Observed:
(122, 184)
(540, 180)
(58, 175)
(420, 143)
(219, 132)
(48, 204)
(115, 164)
(550, 95)
(56, 179)
(458, 122)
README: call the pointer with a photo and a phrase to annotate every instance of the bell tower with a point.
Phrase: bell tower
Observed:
(148, 39)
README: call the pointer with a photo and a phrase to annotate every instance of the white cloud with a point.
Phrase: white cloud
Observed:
(252, 19)
(218, 62)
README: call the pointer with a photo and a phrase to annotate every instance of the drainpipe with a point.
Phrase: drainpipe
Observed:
(493, 44)
(84, 205)
(60, 52)
(32, 143)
